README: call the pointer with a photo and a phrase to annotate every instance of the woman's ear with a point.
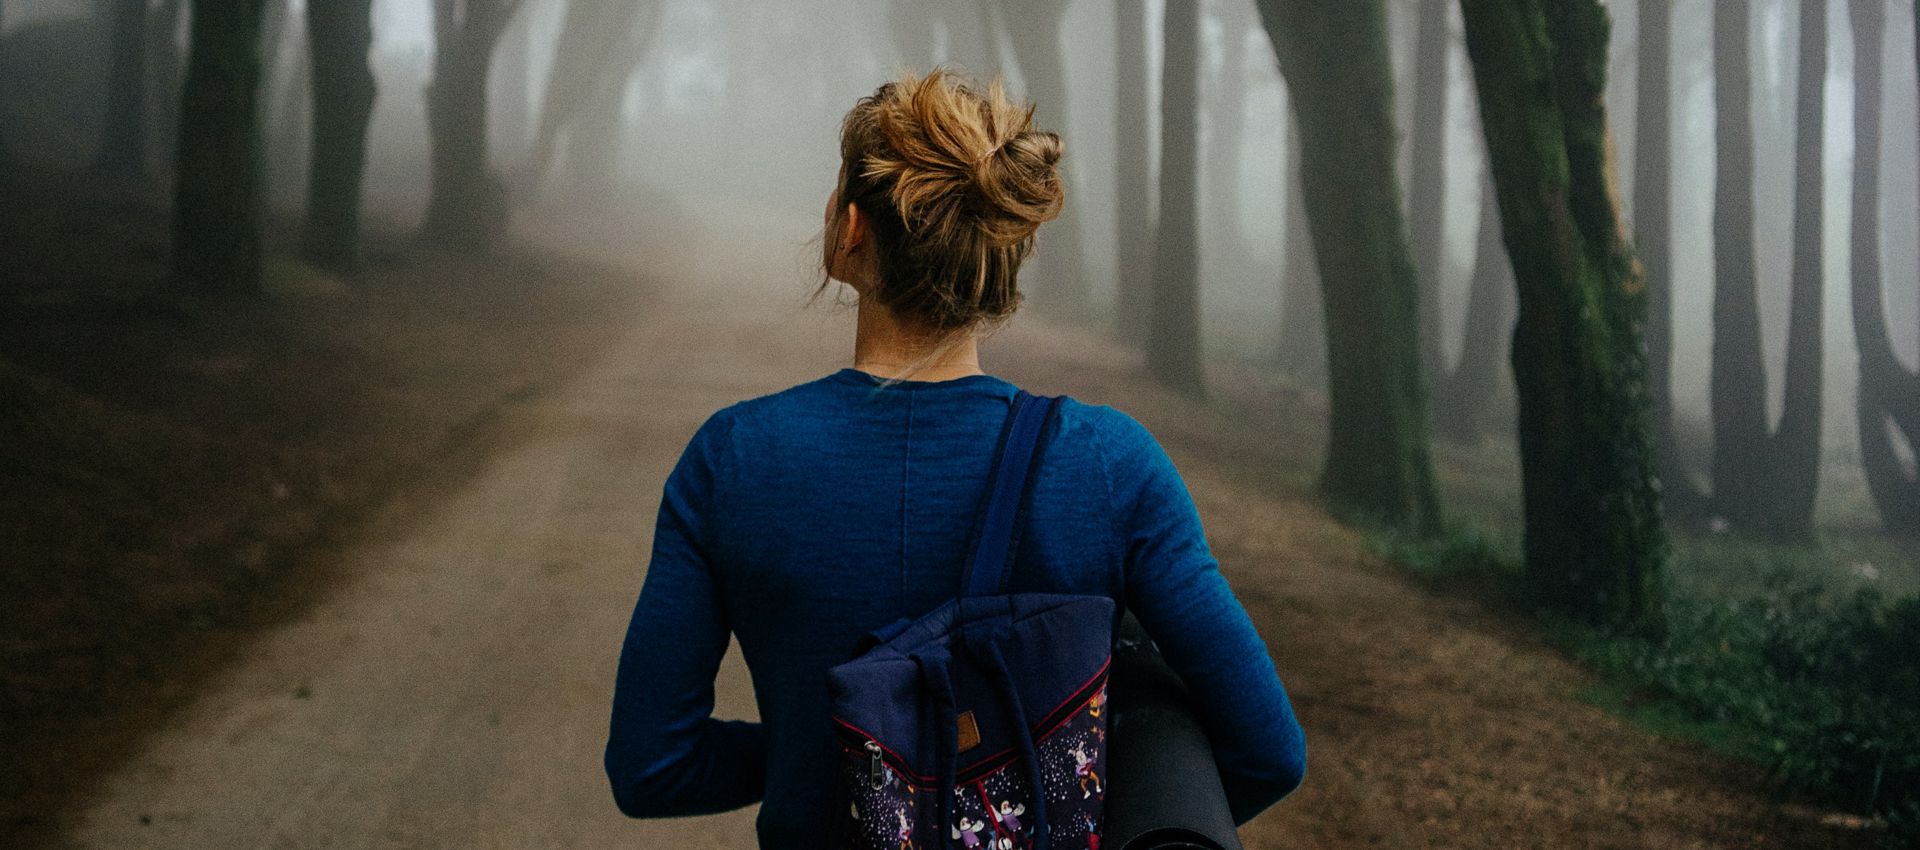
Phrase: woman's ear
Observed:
(853, 229)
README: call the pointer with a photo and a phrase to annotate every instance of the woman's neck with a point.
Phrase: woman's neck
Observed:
(888, 348)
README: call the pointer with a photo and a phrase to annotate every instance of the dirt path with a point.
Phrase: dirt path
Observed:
(451, 690)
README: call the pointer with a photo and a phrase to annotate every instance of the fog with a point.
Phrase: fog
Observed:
(242, 360)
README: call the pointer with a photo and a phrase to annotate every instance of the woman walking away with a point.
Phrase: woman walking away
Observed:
(802, 521)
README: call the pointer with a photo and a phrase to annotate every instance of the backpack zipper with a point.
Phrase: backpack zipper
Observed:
(876, 773)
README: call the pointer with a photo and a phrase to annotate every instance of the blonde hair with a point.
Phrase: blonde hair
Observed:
(954, 181)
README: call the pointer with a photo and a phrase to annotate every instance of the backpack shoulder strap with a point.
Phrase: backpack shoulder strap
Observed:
(986, 569)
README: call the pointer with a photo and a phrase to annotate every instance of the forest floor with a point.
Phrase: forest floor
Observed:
(349, 568)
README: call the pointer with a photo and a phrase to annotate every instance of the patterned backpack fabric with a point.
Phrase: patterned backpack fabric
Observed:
(981, 724)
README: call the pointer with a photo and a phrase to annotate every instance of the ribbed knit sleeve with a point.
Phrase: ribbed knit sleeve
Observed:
(666, 755)
(1174, 586)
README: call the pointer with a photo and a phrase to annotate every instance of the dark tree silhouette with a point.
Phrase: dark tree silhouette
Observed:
(1765, 481)
(1652, 233)
(1889, 392)
(1738, 386)
(216, 210)
(339, 35)
(1595, 543)
(467, 206)
(1378, 461)
(1173, 338)
(123, 136)
(1794, 462)
(1427, 180)
(1133, 168)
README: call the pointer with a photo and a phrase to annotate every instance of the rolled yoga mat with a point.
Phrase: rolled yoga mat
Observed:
(1163, 789)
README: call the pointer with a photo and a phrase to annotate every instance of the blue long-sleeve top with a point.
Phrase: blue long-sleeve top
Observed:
(803, 520)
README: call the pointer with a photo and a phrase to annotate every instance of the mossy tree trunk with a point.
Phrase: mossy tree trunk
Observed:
(1173, 337)
(339, 35)
(1595, 543)
(467, 205)
(1133, 168)
(1889, 393)
(123, 136)
(216, 209)
(1333, 54)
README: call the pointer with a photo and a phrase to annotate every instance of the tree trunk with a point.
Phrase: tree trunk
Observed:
(1173, 339)
(1739, 379)
(339, 37)
(1033, 27)
(123, 136)
(1652, 233)
(1427, 182)
(216, 213)
(1595, 544)
(587, 60)
(1467, 404)
(1133, 168)
(1378, 460)
(1303, 330)
(467, 205)
(1794, 463)
(1889, 393)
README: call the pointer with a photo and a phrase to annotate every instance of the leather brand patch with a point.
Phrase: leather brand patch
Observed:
(969, 732)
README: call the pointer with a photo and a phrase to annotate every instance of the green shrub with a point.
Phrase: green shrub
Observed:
(1821, 684)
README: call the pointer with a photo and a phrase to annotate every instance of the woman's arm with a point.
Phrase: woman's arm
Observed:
(666, 754)
(1173, 584)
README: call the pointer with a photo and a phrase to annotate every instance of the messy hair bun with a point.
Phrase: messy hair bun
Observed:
(955, 182)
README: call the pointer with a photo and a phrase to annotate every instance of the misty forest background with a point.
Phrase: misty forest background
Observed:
(1610, 312)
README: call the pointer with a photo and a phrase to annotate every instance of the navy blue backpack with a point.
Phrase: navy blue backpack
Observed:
(982, 723)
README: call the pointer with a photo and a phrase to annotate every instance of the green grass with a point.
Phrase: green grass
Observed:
(1769, 654)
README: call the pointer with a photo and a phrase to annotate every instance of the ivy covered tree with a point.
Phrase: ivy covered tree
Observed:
(1595, 543)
